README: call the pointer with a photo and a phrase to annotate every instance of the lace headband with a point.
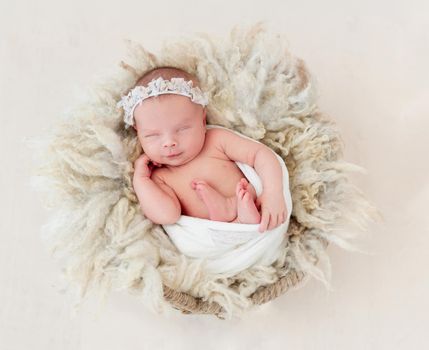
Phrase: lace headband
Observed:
(157, 87)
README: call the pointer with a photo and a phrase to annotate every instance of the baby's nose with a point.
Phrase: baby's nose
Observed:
(170, 143)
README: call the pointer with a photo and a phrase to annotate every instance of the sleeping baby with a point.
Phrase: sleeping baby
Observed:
(188, 168)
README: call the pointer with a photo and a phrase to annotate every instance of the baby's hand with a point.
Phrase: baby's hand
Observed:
(273, 210)
(143, 166)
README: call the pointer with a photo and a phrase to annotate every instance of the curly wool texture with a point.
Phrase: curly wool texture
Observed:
(256, 87)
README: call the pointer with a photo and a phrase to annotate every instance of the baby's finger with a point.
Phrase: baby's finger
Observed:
(269, 220)
(140, 161)
(264, 221)
(144, 158)
(273, 222)
(279, 219)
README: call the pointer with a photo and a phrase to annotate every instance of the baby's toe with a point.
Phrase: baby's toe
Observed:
(241, 194)
(237, 189)
(246, 196)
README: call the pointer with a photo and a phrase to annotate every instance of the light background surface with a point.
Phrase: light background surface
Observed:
(370, 59)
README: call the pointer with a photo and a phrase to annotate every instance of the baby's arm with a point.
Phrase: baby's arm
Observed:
(255, 154)
(266, 165)
(158, 201)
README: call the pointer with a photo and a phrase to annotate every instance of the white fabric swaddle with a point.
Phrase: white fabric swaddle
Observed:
(229, 248)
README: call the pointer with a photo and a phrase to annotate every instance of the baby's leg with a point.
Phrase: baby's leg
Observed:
(239, 208)
(220, 208)
(247, 213)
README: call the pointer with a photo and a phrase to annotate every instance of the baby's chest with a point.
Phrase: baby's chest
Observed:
(221, 174)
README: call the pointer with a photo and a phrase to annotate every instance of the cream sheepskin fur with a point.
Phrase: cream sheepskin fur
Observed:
(85, 166)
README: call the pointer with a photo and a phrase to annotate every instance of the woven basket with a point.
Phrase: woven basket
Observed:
(188, 304)
(86, 167)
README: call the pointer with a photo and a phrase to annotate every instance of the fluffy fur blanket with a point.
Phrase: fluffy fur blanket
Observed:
(255, 86)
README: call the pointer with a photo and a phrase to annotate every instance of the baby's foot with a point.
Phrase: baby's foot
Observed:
(247, 213)
(219, 207)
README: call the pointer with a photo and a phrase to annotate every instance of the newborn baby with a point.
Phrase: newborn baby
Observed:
(187, 169)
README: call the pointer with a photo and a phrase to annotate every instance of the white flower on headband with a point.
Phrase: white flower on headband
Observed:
(157, 87)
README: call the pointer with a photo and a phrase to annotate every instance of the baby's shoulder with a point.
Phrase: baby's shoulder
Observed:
(214, 136)
(213, 143)
(215, 131)
(218, 132)
(221, 138)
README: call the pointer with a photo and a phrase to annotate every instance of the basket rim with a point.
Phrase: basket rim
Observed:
(188, 304)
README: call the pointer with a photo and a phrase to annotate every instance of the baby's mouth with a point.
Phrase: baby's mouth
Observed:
(174, 155)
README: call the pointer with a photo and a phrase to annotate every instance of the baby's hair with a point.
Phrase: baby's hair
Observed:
(166, 72)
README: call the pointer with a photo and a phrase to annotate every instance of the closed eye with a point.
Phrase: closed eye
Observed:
(183, 128)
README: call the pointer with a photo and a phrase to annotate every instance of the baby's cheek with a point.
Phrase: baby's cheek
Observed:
(148, 149)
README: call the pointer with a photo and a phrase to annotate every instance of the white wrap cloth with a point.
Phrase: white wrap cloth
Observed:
(227, 247)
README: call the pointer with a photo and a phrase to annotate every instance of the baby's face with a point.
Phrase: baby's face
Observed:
(168, 125)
